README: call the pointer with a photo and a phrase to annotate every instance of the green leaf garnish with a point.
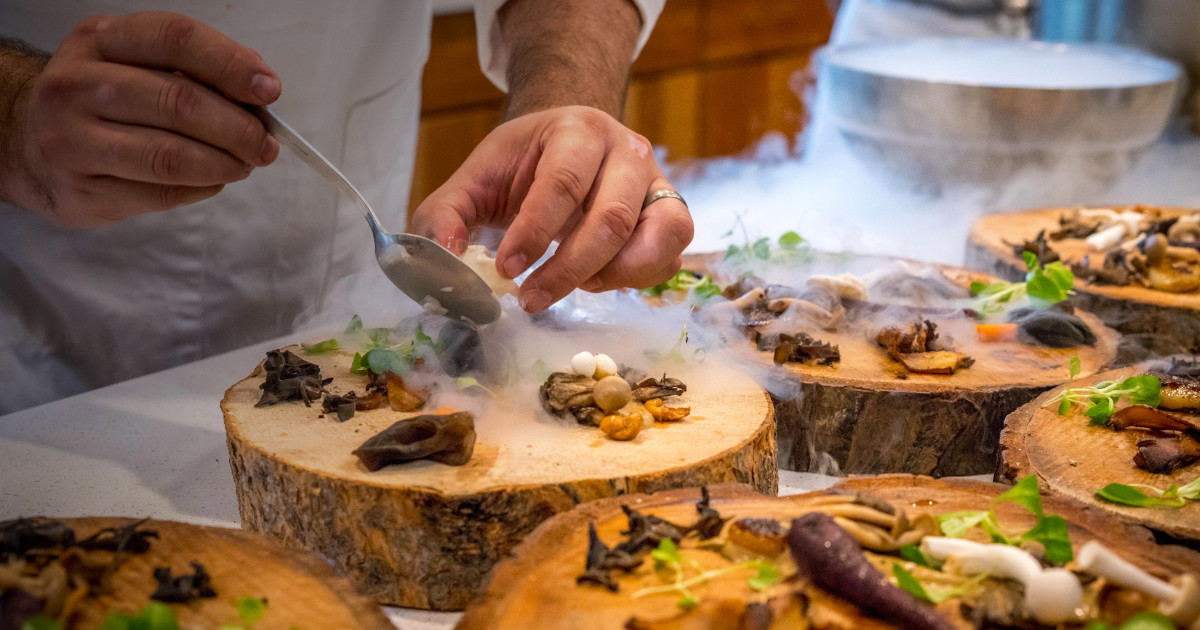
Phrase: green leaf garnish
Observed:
(359, 364)
(155, 616)
(699, 288)
(1045, 286)
(467, 382)
(381, 360)
(913, 554)
(1031, 260)
(251, 609)
(1025, 494)
(1050, 531)
(790, 240)
(1173, 497)
(906, 581)
(354, 326)
(1140, 621)
(1074, 367)
(1100, 401)
(765, 577)
(321, 347)
(666, 553)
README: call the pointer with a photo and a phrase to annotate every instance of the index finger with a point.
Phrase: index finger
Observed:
(172, 42)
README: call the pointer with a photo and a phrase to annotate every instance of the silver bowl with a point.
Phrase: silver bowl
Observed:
(934, 112)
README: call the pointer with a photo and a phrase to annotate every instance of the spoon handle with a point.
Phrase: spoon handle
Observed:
(288, 137)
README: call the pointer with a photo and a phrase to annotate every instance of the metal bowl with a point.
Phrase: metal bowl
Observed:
(944, 111)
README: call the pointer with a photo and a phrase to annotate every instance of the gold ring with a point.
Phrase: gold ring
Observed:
(662, 194)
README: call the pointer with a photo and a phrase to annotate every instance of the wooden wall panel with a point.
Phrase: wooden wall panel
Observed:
(713, 78)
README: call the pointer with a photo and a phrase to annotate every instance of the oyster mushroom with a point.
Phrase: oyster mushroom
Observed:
(1185, 230)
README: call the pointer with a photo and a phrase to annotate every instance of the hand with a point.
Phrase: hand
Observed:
(572, 174)
(133, 114)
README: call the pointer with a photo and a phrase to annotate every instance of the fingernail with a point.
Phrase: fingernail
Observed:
(591, 285)
(270, 150)
(265, 87)
(515, 265)
(534, 301)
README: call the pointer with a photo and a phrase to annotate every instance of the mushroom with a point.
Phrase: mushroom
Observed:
(1107, 238)
(1185, 230)
(1051, 595)
(449, 439)
(612, 393)
(605, 366)
(844, 285)
(1156, 249)
(620, 426)
(1179, 600)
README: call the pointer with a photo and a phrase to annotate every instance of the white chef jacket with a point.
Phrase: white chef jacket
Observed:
(84, 308)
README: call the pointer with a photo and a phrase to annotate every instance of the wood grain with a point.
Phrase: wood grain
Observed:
(1153, 323)
(538, 581)
(301, 589)
(1074, 459)
(426, 535)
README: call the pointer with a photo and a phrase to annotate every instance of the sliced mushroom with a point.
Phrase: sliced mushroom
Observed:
(449, 439)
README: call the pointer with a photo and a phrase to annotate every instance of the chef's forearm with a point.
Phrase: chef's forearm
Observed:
(20, 64)
(568, 52)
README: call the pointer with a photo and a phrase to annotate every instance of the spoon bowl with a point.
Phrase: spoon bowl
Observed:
(423, 270)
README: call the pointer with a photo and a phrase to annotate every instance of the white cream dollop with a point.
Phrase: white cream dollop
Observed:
(481, 262)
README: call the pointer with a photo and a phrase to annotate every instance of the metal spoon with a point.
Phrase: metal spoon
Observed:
(419, 267)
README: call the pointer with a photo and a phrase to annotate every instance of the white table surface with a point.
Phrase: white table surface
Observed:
(155, 446)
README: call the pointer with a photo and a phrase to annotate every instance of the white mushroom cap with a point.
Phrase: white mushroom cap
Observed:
(1180, 602)
(605, 366)
(1052, 596)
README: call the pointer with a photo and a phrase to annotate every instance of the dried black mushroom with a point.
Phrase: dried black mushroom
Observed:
(449, 439)
(290, 377)
(18, 537)
(710, 523)
(461, 349)
(184, 587)
(1056, 326)
(1038, 247)
(665, 387)
(127, 539)
(1164, 454)
(798, 348)
(602, 561)
(1186, 368)
(646, 531)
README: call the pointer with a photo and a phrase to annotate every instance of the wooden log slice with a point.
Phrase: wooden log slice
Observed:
(1074, 459)
(1153, 323)
(538, 582)
(301, 589)
(867, 415)
(426, 535)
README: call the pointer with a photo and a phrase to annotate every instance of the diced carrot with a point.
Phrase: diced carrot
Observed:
(444, 411)
(996, 332)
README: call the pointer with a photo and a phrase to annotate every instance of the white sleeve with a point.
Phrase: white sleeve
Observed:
(493, 50)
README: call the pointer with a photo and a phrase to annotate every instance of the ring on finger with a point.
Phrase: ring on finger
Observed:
(662, 193)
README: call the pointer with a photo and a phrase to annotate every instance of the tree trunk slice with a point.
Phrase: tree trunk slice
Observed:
(861, 414)
(538, 581)
(426, 535)
(1153, 323)
(301, 589)
(1074, 460)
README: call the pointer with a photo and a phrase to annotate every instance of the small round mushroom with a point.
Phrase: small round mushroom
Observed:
(1156, 249)
(605, 366)
(611, 393)
(620, 426)
(583, 364)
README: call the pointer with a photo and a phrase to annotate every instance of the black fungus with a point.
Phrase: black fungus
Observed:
(461, 349)
(710, 523)
(184, 587)
(342, 405)
(1163, 455)
(449, 439)
(602, 561)
(290, 377)
(646, 531)
(22, 535)
(1055, 327)
(1038, 247)
(127, 539)
(18, 605)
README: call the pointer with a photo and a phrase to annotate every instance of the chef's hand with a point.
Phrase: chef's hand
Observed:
(572, 174)
(133, 114)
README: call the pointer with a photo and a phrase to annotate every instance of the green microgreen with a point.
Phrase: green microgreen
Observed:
(675, 353)
(933, 595)
(467, 382)
(1043, 286)
(1140, 495)
(700, 288)
(1099, 402)
(668, 558)
(1050, 531)
(1140, 621)
(789, 247)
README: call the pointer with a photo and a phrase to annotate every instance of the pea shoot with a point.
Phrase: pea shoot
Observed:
(1043, 285)
(1099, 401)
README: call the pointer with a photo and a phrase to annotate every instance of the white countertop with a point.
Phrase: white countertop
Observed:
(155, 446)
